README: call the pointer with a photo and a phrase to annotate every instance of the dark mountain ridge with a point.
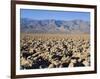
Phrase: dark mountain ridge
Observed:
(54, 26)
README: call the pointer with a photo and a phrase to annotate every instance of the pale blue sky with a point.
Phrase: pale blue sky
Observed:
(57, 15)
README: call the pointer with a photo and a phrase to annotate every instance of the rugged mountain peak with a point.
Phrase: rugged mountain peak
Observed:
(54, 26)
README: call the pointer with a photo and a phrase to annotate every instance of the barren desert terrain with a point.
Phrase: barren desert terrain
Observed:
(39, 51)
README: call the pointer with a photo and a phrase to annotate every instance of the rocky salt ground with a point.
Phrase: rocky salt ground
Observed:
(37, 52)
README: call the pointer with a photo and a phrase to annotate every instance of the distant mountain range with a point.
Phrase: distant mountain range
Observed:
(54, 26)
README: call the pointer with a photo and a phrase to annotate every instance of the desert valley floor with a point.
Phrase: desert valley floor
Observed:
(38, 51)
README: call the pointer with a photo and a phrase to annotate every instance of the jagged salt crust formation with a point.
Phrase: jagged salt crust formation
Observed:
(39, 51)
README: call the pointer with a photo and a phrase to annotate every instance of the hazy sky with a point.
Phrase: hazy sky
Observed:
(57, 15)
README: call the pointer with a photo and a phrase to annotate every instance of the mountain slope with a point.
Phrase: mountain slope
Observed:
(54, 26)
